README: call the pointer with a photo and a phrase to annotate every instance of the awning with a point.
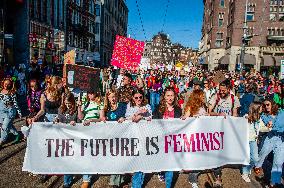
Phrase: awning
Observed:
(225, 60)
(267, 61)
(278, 60)
(249, 59)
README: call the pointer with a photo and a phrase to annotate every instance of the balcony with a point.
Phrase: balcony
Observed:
(275, 38)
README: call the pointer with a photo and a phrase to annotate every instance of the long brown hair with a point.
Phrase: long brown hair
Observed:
(163, 105)
(195, 102)
(70, 98)
(13, 90)
(107, 102)
(274, 107)
(254, 112)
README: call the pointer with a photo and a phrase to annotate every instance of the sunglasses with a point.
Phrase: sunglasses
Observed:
(267, 104)
(138, 97)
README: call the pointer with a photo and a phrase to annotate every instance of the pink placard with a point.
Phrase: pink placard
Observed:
(127, 53)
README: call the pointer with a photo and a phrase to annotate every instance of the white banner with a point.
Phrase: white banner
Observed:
(160, 145)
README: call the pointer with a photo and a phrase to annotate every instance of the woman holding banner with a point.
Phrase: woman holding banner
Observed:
(67, 114)
(196, 106)
(90, 112)
(168, 109)
(114, 111)
(137, 110)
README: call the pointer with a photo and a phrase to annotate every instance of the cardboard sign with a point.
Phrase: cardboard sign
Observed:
(219, 77)
(82, 77)
(127, 53)
(69, 57)
(282, 69)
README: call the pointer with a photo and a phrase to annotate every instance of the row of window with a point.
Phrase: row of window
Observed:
(276, 8)
(82, 42)
(276, 32)
(276, 2)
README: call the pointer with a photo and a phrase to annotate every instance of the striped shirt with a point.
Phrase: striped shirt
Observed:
(92, 110)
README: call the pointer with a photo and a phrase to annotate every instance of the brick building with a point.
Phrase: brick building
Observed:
(221, 44)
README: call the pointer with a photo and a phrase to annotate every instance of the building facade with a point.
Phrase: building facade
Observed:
(81, 30)
(220, 46)
(160, 51)
(113, 21)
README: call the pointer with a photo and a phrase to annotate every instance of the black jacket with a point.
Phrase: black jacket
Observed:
(158, 115)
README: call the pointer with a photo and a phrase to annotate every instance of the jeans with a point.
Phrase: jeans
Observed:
(276, 145)
(68, 180)
(154, 100)
(138, 179)
(87, 178)
(116, 179)
(169, 178)
(49, 117)
(193, 176)
(6, 119)
(253, 157)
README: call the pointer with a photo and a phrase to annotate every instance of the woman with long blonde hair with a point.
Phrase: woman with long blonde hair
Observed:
(50, 101)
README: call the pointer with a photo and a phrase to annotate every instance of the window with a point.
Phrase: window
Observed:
(97, 9)
(219, 40)
(250, 12)
(220, 19)
(220, 22)
(97, 28)
(272, 17)
(281, 17)
(222, 3)
(91, 7)
(250, 16)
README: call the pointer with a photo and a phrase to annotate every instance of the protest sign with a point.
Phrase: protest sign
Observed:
(160, 145)
(127, 53)
(82, 77)
(69, 57)
(219, 77)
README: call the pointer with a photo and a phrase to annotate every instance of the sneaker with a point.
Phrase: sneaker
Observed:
(258, 172)
(161, 177)
(246, 178)
(194, 185)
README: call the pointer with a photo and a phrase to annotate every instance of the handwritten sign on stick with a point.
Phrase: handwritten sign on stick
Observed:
(82, 77)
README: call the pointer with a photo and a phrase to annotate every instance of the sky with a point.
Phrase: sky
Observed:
(183, 21)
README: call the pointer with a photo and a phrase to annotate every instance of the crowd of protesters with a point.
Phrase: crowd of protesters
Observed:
(155, 94)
